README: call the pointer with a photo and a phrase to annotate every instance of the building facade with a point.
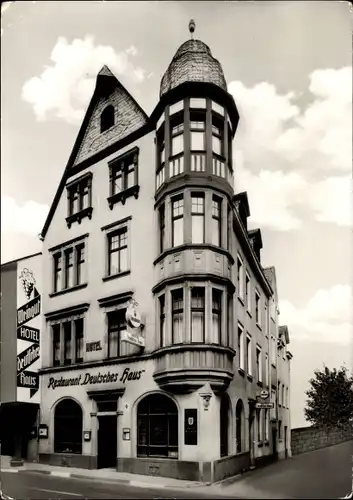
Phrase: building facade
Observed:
(21, 284)
(156, 308)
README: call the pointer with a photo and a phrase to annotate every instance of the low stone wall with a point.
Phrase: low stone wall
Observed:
(230, 466)
(69, 460)
(306, 439)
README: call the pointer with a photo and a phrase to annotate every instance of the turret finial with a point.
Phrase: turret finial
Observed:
(192, 28)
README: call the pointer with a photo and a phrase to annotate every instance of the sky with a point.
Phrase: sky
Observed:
(288, 67)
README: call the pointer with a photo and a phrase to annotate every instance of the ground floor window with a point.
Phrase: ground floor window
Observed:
(68, 427)
(157, 427)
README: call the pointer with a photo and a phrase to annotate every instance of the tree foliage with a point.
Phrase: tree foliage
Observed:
(330, 398)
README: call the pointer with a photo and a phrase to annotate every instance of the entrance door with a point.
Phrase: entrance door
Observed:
(285, 442)
(107, 441)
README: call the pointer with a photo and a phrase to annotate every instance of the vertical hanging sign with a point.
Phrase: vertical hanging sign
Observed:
(28, 330)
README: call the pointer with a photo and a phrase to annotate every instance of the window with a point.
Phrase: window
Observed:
(71, 350)
(248, 292)
(174, 108)
(177, 222)
(267, 424)
(162, 228)
(217, 316)
(80, 261)
(257, 308)
(198, 218)
(123, 177)
(258, 364)
(161, 157)
(79, 340)
(241, 348)
(273, 351)
(280, 429)
(67, 343)
(259, 425)
(68, 427)
(56, 344)
(267, 377)
(216, 221)
(229, 229)
(283, 396)
(157, 427)
(197, 103)
(177, 315)
(279, 393)
(287, 397)
(217, 138)
(162, 338)
(248, 354)
(117, 252)
(230, 317)
(79, 194)
(116, 327)
(197, 314)
(107, 118)
(177, 140)
(57, 272)
(217, 108)
(240, 278)
(69, 268)
(197, 136)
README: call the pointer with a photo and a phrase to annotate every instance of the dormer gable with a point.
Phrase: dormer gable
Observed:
(256, 241)
(242, 206)
(283, 335)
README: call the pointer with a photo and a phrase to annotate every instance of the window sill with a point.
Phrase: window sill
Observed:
(78, 216)
(249, 377)
(241, 371)
(114, 276)
(67, 290)
(123, 195)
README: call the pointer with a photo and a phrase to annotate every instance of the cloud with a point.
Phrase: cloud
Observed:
(28, 218)
(327, 317)
(65, 86)
(294, 160)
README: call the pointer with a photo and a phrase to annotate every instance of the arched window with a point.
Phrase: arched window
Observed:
(157, 427)
(68, 427)
(239, 416)
(107, 118)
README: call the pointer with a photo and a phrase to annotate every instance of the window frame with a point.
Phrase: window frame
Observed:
(248, 292)
(123, 225)
(77, 191)
(259, 364)
(115, 328)
(177, 311)
(240, 278)
(122, 244)
(103, 126)
(197, 309)
(249, 366)
(196, 215)
(59, 270)
(162, 233)
(258, 308)
(217, 200)
(58, 341)
(241, 347)
(121, 167)
(162, 320)
(174, 218)
(217, 311)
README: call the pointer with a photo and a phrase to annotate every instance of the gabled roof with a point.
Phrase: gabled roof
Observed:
(105, 83)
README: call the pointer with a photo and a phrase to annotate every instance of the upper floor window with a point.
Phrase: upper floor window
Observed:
(162, 228)
(177, 139)
(177, 315)
(116, 328)
(69, 267)
(249, 354)
(273, 351)
(257, 308)
(117, 251)
(267, 376)
(197, 136)
(258, 364)
(240, 277)
(177, 221)
(107, 118)
(198, 314)
(79, 194)
(217, 315)
(216, 221)
(198, 218)
(123, 177)
(217, 138)
(68, 346)
(217, 108)
(241, 347)
(162, 338)
(197, 103)
(175, 108)
(248, 292)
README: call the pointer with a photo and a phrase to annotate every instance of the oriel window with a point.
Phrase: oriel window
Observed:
(198, 314)
(177, 222)
(217, 315)
(162, 228)
(117, 249)
(162, 320)
(197, 136)
(198, 218)
(177, 315)
(216, 221)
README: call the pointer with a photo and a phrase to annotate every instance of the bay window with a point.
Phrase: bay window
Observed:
(198, 314)
(216, 221)
(162, 228)
(177, 139)
(217, 315)
(177, 315)
(198, 218)
(197, 134)
(177, 221)
(162, 338)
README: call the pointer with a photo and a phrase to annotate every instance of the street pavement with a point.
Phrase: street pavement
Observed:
(30, 485)
(325, 473)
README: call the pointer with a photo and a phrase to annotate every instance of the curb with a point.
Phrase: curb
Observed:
(131, 482)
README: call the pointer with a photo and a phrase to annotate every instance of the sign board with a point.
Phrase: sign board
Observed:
(268, 406)
(132, 334)
(190, 426)
(264, 394)
(132, 337)
(28, 329)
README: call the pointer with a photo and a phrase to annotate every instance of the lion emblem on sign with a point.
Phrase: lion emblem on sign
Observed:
(28, 282)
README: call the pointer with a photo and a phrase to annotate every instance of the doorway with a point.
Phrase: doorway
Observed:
(274, 443)
(107, 441)
(285, 442)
